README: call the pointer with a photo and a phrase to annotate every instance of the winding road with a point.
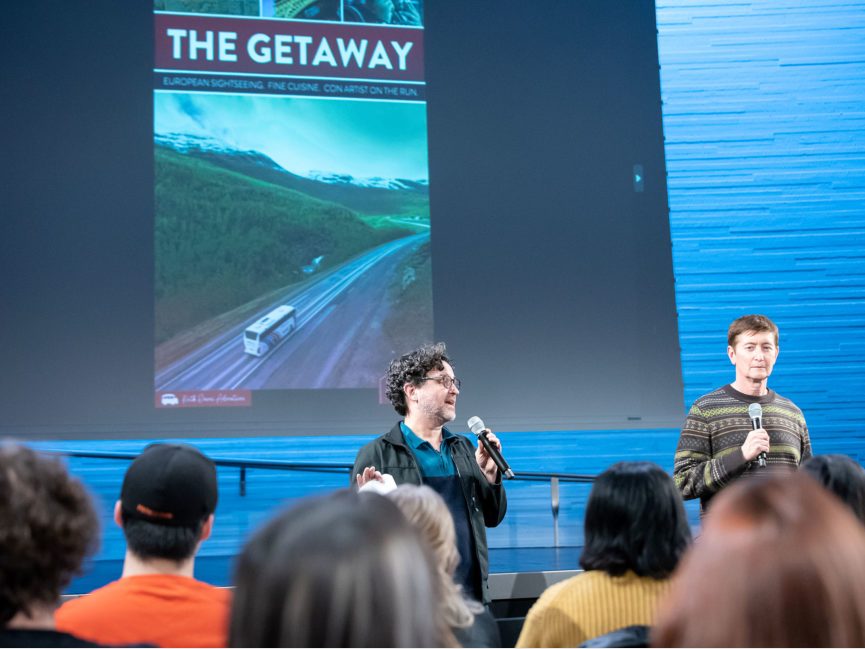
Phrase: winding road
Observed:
(337, 342)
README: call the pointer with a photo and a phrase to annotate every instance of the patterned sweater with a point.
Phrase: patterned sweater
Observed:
(709, 455)
(590, 604)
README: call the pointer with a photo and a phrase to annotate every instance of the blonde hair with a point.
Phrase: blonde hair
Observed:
(427, 512)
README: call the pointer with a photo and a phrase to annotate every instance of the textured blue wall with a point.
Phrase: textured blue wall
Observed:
(764, 119)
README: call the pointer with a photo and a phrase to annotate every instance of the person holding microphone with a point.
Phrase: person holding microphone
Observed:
(743, 428)
(422, 387)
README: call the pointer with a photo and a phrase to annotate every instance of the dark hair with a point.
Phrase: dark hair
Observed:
(746, 323)
(635, 520)
(411, 368)
(345, 570)
(47, 527)
(148, 540)
(841, 475)
(780, 563)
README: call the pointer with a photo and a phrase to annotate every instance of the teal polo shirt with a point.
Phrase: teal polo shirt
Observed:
(432, 463)
(440, 473)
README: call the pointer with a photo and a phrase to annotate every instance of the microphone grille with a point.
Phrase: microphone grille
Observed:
(755, 411)
(475, 424)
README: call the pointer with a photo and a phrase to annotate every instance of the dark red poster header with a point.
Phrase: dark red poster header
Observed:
(291, 48)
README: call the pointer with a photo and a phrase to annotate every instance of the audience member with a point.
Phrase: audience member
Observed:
(471, 622)
(635, 532)
(47, 527)
(345, 570)
(841, 475)
(166, 511)
(780, 563)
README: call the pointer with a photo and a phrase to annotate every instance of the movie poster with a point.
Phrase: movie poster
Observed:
(292, 224)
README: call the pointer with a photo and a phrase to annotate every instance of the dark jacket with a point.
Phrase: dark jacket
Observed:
(484, 632)
(486, 503)
(636, 635)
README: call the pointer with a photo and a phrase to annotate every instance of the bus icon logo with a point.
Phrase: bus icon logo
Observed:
(169, 399)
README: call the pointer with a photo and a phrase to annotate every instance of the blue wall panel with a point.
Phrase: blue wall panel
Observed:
(764, 120)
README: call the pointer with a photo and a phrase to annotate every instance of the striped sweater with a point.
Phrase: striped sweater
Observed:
(590, 604)
(709, 455)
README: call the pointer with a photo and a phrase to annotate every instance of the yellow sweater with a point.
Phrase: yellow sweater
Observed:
(588, 605)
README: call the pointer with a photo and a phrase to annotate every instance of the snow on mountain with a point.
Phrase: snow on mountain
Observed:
(376, 181)
(210, 146)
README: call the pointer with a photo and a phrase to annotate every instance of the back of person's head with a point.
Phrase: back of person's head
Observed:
(841, 475)
(47, 528)
(635, 520)
(427, 511)
(780, 563)
(169, 494)
(345, 570)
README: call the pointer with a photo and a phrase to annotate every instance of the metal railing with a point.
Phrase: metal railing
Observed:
(338, 467)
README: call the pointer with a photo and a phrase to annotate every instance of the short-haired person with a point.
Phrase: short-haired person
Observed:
(635, 532)
(841, 475)
(718, 444)
(472, 624)
(419, 450)
(344, 570)
(47, 528)
(166, 510)
(780, 563)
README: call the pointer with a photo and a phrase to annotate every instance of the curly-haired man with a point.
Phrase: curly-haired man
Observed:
(47, 528)
(419, 450)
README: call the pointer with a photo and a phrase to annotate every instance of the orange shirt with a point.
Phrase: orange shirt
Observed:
(162, 610)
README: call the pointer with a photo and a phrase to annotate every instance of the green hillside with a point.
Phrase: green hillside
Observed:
(223, 238)
(411, 201)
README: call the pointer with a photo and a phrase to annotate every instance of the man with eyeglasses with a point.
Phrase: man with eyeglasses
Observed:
(419, 450)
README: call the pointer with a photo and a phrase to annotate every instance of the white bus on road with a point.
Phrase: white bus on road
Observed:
(266, 333)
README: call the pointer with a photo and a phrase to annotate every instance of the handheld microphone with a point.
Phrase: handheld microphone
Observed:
(755, 412)
(476, 425)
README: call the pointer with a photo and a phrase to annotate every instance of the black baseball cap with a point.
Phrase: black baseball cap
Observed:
(170, 484)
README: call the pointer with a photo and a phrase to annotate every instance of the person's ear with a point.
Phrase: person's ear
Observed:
(206, 529)
(118, 514)
(731, 354)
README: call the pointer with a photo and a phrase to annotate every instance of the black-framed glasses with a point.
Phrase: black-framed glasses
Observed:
(445, 380)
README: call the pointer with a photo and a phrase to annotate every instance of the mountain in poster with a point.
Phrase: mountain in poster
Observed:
(232, 225)
(371, 196)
